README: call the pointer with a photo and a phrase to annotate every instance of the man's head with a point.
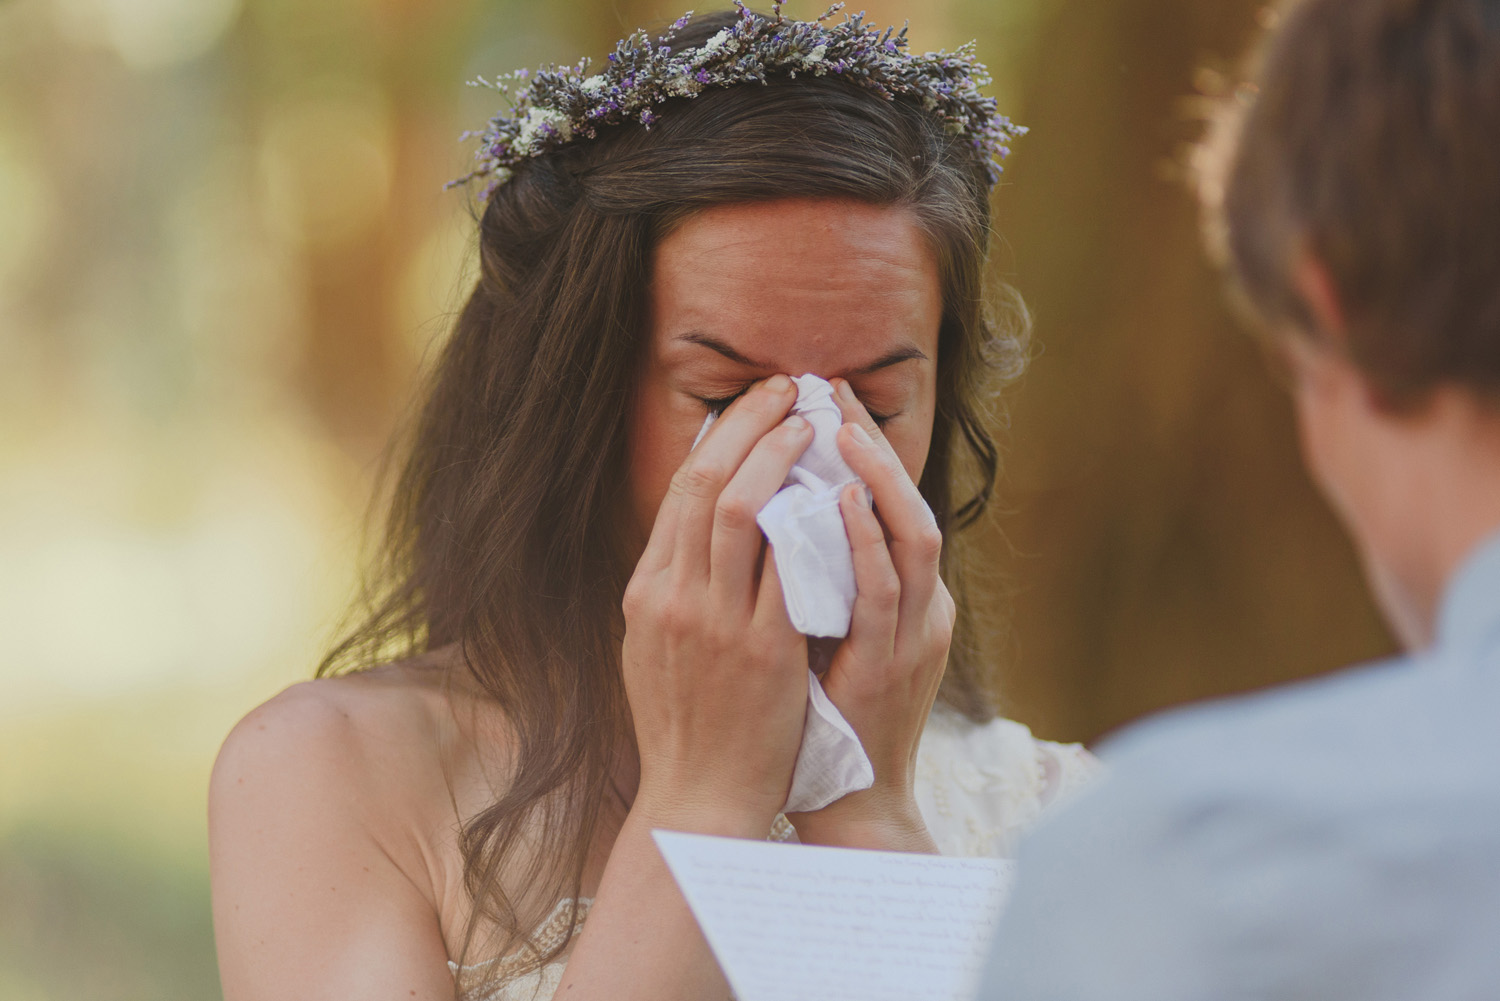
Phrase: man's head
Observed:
(1353, 193)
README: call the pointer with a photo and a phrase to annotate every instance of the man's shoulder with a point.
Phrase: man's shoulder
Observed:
(1272, 729)
(1354, 811)
(1386, 740)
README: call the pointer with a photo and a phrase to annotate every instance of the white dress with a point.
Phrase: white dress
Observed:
(979, 787)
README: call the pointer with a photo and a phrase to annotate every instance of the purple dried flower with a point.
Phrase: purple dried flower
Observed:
(563, 105)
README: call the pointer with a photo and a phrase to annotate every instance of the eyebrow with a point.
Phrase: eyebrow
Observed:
(908, 353)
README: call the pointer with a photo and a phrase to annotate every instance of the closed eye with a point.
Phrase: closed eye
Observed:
(718, 405)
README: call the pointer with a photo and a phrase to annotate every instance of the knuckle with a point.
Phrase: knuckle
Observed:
(929, 541)
(700, 479)
(675, 617)
(724, 635)
(938, 649)
(942, 618)
(886, 591)
(733, 512)
(950, 610)
(634, 601)
(941, 622)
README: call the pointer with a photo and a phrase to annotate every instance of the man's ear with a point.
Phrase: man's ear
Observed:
(1331, 328)
(1313, 282)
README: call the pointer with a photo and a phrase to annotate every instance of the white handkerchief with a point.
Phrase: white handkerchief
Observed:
(831, 762)
(816, 567)
(805, 526)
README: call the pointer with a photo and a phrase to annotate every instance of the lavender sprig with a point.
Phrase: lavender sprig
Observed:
(556, 105)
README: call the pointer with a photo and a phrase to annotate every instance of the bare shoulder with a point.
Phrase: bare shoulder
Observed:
(345, 732)
(322, 808)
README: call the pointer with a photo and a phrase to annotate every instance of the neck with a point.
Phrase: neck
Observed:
(1442, 477)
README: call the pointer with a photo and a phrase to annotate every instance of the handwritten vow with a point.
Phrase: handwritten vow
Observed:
(795, 922)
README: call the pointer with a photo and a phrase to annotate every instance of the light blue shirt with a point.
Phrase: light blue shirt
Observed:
(1335, 839)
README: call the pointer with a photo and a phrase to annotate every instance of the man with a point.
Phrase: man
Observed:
(1339, 838)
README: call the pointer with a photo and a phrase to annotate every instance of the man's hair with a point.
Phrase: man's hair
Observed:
(1371, 141)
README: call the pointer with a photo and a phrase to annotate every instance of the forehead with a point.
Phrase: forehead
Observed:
(804, 286)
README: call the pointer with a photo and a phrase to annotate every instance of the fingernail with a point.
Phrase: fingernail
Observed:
(844, 391)
(779, 383)
(862, 496)
(860, 435)
(797, 422)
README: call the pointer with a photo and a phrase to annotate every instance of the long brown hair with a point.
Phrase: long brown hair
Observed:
(502, 537)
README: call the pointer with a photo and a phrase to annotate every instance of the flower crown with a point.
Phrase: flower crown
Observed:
(558, 105)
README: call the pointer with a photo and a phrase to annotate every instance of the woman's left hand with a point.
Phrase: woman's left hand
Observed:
(884, 676)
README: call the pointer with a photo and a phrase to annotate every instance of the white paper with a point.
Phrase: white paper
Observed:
(805, 923)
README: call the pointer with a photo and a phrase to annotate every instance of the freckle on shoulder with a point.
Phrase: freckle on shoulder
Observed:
(318, 731)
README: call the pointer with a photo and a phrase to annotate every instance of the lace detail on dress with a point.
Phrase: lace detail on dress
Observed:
(516, 977)
(979, 787)
(782, 829)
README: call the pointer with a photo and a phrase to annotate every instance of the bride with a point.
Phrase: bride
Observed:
(582, 634)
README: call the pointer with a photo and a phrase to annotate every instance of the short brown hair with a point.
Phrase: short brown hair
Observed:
(1372, 142)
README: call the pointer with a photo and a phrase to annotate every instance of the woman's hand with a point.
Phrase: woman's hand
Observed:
(714, 672)
(884, 676)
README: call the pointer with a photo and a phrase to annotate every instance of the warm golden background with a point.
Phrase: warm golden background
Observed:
(224, 250)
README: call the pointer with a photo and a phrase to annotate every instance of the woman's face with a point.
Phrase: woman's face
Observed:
(742, 292)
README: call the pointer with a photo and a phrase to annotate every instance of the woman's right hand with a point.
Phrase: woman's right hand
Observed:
(714, 671)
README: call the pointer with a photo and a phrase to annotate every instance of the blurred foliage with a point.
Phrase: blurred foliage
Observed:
(225, 249)
(88, 915)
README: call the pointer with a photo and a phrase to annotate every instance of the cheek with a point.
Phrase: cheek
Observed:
(911, 445)
(911, 438)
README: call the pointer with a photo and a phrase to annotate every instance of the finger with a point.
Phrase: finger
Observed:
(854, 410)
(916, 542)
(877, 598)
(736, 542)
(770, 607)
(659, 546)
(658, 552)
(696, 486)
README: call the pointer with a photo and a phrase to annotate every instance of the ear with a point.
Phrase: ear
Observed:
(1313, 282)
(1330, 336)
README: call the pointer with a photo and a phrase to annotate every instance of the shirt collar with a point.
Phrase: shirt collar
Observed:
(1470, 613)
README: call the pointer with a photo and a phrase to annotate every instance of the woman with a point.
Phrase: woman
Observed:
(583, 634)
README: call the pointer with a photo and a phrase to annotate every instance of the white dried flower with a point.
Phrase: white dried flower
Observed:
(715, 43)
(534, 127)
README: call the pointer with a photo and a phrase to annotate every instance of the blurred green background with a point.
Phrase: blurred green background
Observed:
(224, 250)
